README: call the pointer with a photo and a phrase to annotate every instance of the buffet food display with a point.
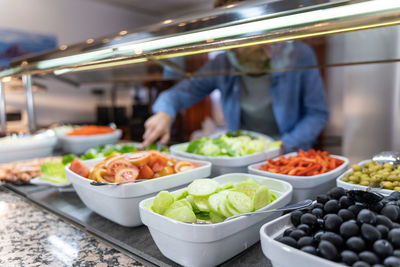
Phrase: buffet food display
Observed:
(187, 212)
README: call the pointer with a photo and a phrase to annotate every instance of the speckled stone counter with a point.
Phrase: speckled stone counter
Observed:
(31, 236)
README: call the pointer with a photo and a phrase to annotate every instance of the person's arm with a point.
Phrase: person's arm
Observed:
(179, 97)
(315, 110)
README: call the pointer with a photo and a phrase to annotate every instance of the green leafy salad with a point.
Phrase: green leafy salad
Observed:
(231, 144)
(207, 200)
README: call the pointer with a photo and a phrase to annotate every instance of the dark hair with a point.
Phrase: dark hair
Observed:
(219, 3)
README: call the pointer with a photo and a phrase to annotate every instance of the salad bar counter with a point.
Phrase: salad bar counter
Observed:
(135, 242)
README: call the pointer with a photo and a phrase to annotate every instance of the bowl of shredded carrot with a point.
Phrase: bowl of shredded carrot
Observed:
(79, 140)
(310, 172)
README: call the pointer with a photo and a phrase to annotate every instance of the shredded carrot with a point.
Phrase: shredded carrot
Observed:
(90, 130)
(312, 162)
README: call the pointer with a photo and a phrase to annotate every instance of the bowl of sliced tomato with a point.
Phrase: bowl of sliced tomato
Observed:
(310, 172)
(129, 178)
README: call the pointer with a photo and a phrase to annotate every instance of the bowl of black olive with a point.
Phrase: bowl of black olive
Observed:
(342, 227)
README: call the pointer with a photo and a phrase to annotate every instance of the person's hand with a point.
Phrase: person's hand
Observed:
(157, 126)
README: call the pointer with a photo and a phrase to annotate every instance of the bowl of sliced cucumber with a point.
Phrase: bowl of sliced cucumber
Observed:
(188, 225)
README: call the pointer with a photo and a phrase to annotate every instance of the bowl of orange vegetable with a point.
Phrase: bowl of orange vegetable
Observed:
(145, 173)
(79, 140)
(310, 172)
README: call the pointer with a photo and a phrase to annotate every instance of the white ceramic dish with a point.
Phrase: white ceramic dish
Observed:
(80, 144)
(282, 255)
(212, 244)
(305, 187)
(222, 165)
(349, 186)
(120, 203)
(39, 146)
(39, 181)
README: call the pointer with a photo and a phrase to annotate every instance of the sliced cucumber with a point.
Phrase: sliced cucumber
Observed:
(273, 197)
(190, 199)
(182, 214)
(162, 202)
(231, 209)
(202, 187)
(226, 186)
(240, 201)
(180, 195)
(247, 187)
(222, 210)
(204, 216)
(216, 218)
(180, 203)
(202, 203)
(262, 197)
(215, 200)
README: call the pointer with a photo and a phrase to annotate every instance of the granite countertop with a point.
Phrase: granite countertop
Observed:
(31, 236)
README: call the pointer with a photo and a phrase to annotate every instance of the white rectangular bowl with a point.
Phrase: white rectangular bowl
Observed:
(80, 144)
(120, 204)
(282, 255)
(305, 187)
(224, 164)
(37, 148)
(211, 244)
(349, 186)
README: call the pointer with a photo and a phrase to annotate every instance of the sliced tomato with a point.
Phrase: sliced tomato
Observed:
(116, 164)
(156, 156)
(126, 174)
(167, 170)
(138, 159)
(101, 175)
(146, 172)
(79, 168)
(183, 166)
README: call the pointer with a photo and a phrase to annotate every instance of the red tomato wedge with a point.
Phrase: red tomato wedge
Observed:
(146, 172)
(79, 168)
(139, 158)
(183, 166)
(126, 174)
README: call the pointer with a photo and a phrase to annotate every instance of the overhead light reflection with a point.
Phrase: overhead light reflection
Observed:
(6, 79)
(123, 32)
(167, 21)
(89, 41)
(63, 47)
(63, 250)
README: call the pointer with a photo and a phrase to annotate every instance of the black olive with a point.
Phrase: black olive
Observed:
(383, 248)
(366, 216)
(309, 249)
(308, 219)
(290, 241)
(369, 257)
(349, 257)
(377, 207)
(396, 253)
(395, 195)
(319, 213)
(305, 228)
(322, 198)
(349, 229)
(332, 206)
(305, 241)
(355, 209)
(327, 250)
(394, 237)
(355, 244)
(346, 214)
(383, 229)
(297, 234)
(334, 238)
(345, 202)
(392, 261)
(361, 264)
(391, 211)
(336, 192)
(317, 236)
(333, 222)
(378, 265)
(381, 219)
(288, 231)
(319, 206)
(396, 225)
(320, 223)
(370, 233)
(295, 217)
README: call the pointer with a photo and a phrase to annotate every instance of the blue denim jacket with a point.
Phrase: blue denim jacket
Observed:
(298, 96)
